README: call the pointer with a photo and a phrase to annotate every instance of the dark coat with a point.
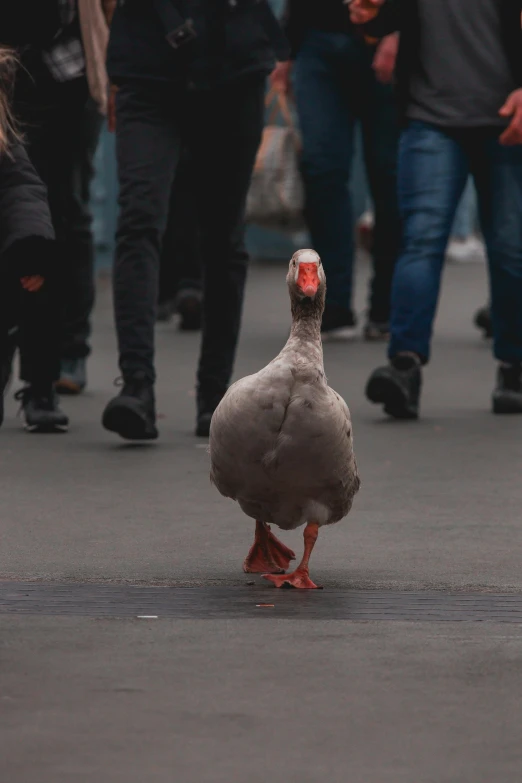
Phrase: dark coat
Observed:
(234, 38)
(26, 230)
(403, 16)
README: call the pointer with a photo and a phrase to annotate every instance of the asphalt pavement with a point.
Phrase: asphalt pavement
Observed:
(304, 690)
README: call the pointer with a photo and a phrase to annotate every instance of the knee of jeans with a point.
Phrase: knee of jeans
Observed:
(425, 233)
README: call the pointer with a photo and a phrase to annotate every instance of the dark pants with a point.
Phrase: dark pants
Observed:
(335, 88)
(434, 165)
(61, 126)
(35, 318)
(221, 130)
(180, 265)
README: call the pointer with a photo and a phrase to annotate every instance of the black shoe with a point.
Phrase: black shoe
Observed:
(165, 310)
(41, 410)
(132, 414)
(507, 397)
(483, 321)
(397, 387)
(338, 322)
(6, 368)
(377, 331)
(189, 306)
(207, 404)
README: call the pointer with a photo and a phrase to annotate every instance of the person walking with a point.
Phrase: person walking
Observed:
(59, 99)
(188, 76)
(460, 93)
(340, 81)
(29, 276)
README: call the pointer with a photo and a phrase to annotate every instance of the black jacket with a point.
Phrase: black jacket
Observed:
(26, 230)
(234, 38)
(403, 16)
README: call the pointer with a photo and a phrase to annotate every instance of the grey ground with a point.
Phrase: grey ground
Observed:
(110, 700)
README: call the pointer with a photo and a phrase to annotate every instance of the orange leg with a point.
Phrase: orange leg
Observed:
(267, 553)
(300, 578)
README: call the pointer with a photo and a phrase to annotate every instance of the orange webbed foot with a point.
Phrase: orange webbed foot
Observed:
(267, 554)
(299, 579)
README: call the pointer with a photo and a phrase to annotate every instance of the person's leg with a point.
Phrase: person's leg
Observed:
(223, 155)
(61, 126)
(498, 176)
(432, 173)
(181, 271)
(84, 125)
(326, 120)
(380, 136)
(147, 148)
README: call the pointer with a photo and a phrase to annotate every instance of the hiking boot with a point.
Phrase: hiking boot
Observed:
(397, 386)
(483, 321)
(40, 409)
(377, 331)
(206, 405)
(189, 307)
(338, 323)
(132, 414)
(507, 397)
(73, 376)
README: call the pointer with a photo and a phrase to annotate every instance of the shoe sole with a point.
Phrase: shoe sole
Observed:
(382, 391)
(129, 423)
(47, 429)
(67, 387)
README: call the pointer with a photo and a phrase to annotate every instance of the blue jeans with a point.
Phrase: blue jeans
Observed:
(434, 165)
(335, 88)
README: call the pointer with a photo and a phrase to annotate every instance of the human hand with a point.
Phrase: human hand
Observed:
(280, 77)
(385, 57)
(512, 108)
(32, 283)
(362, 11)
(111, 109)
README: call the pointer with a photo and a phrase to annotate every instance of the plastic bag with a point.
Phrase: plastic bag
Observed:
(276, 196)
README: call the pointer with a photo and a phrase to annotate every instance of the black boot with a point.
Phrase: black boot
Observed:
(483, 321)
(189, 305)
(41, 410)
(132, 414)
(206, 405)
(397, 386)
(507, 397)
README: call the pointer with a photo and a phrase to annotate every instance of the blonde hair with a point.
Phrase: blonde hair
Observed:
(8, 129)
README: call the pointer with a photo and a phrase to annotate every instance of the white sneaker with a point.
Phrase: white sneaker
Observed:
(465, 251)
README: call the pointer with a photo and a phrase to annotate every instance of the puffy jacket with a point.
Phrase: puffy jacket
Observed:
(233, 38)
(26, 230)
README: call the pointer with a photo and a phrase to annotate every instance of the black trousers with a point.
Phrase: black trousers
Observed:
(221, 130)
(180, 264)
(32, 321)
(62, 125)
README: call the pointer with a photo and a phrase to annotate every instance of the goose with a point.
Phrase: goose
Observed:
(281, 441)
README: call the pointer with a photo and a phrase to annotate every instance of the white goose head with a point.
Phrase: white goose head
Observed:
(306, 282)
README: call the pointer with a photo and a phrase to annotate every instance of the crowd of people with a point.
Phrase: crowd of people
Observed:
(183, 86)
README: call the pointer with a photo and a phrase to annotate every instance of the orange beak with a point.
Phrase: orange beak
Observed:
(308, 279)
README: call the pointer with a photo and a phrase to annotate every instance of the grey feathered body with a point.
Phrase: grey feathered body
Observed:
(281, 440)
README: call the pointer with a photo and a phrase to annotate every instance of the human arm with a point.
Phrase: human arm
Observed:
(512, 108)
(385, 58)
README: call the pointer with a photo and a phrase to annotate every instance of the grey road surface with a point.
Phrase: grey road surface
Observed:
(178, 699)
